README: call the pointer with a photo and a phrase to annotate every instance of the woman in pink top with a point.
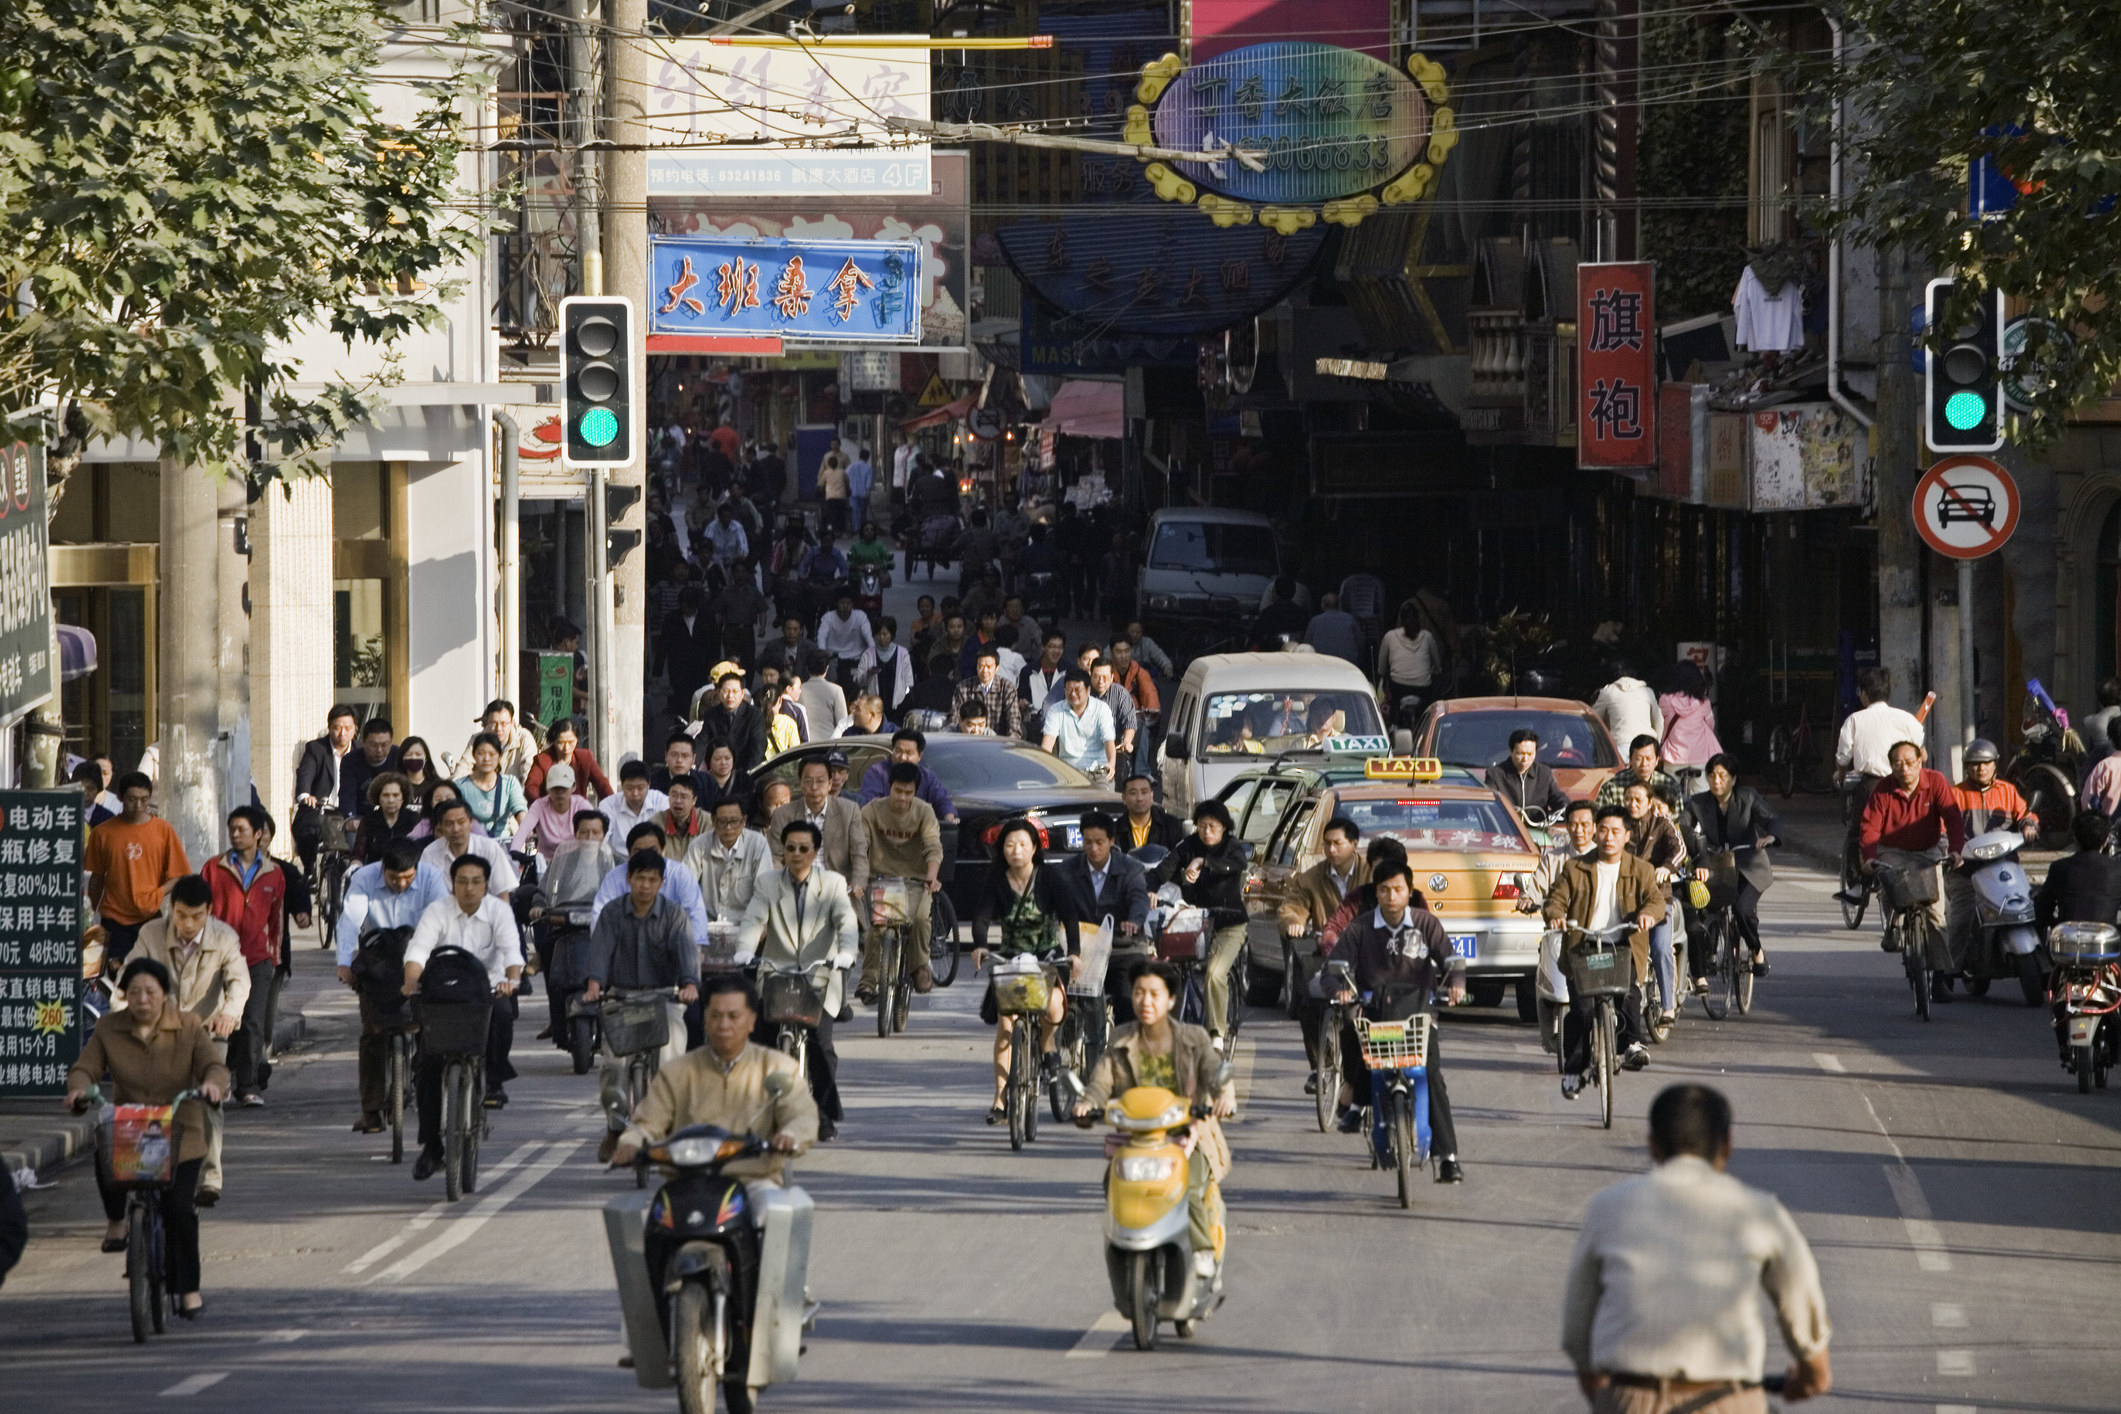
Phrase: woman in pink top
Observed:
(1689, 721)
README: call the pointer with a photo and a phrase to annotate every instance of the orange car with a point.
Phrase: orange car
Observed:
(1474, 732)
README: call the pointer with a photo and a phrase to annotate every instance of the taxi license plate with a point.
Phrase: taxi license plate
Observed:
(1466, 945)
(1075, 837)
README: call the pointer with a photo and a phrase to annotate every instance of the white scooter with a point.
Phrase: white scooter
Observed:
(2008, 939)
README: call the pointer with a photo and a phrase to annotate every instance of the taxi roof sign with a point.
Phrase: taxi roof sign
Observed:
(1402, 768)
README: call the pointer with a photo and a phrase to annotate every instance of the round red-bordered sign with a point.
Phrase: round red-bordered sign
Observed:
(1966, 507)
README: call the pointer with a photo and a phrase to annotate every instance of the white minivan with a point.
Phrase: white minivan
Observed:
(1233, 711)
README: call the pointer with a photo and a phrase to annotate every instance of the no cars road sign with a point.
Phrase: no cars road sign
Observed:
(1966, 507)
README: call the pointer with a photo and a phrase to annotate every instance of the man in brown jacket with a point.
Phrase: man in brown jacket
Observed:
(205, 961)
(1605, 889)
(1312, 898)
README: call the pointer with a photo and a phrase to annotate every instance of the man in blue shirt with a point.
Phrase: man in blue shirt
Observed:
(907, 745)
(680, 885)
(389, 894)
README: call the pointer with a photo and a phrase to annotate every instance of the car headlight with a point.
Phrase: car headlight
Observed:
(1151, 1168)
(1162, 601)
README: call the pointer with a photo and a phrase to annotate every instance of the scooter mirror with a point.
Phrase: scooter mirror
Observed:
(778, 1085)
(1224, 1074)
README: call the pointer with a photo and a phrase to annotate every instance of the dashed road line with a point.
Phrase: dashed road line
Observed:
(1948, 1315)
(1830, 1063)
(433, 1214)
(462, 1229)
(1101, 1338)
(1955, 1362)
(287, 1337)
(194, 1384)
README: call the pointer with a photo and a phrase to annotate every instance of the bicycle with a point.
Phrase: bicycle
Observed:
(1085, 1021)
(794, 1004)
(1184, 941)
(1908, 895)
(1724, 948)
(891, 904)
(636, 1028)
(455, 1033)
(1857, 885)
(1326, 1077)
(1020, 995)
(1795, 757)
(1595, 970)
(144, 1167)
(1396, 1053)
(328, 876)
(398, 1086)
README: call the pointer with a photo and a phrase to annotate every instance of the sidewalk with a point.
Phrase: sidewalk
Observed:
(40, 1135)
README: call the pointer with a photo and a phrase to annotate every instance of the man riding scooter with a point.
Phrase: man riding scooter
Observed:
(1985, 804)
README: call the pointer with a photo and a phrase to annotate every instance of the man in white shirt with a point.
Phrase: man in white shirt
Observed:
(725, 536)
(635, 802)
(1662, 1306)
(1868, 735)
(478, 921)
(454, 839)
(1628, 707)
(845, 635)
(1039, 684)
(731, 862)
(1080, 731)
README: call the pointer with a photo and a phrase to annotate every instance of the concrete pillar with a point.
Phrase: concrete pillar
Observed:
(232, 589)
(188, 680)
(290, 637)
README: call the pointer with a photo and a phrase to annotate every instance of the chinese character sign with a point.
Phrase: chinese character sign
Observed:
(806, 292)
(26, 669)
(41, 1026)
(1617, 338)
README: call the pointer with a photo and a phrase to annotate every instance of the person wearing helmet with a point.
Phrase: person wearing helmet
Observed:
(1987, 804)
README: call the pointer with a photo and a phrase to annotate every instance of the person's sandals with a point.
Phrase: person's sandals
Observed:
(994, 1116)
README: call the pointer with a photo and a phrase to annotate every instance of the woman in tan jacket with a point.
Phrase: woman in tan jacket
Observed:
(153, 1050)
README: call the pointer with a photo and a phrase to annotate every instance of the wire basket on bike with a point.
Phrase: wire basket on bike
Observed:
(719, 953)
(333, 834)
(1394, 1045)
(1021, 986)
(634, 1024)
(1724, 879)
(1909, 888)
(453, 1028)
(1597, 969)
(790, 1000)
(1183, 936)
(892, 901)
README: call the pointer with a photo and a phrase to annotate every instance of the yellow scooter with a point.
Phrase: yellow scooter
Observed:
(1149, 1254)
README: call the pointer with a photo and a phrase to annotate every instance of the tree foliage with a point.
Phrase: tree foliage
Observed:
(2033, 84)
(187, 184)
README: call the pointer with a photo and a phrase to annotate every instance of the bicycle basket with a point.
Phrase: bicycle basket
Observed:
(454, 1028)
(1908, 888)
(1394, 1045)
(142, 1144)
(1020, 986)
(790, 1000)
(332, 832)
(719, 952)
(1183, 935)
(1723, 879)
(1599, 971)
(891, 901)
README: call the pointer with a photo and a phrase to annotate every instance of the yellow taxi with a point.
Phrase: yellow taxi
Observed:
(1467, 849)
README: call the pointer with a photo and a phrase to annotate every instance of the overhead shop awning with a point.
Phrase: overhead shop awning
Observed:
(1082, 408)
(948, 412)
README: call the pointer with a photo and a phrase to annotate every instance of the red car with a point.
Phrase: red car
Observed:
(1474, 732)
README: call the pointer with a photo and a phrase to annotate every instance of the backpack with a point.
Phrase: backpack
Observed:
(454, 976)
(379, 966)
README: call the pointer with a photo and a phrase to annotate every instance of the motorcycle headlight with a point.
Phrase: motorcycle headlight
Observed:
(1985, 852)
(1151, 1168)
(690, 1153)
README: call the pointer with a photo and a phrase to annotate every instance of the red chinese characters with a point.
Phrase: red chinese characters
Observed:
(1616, 335)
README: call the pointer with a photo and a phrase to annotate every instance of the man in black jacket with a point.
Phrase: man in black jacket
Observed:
(738, 723)
(1209, 868)
(1103, 883)
(2084, 887)
(317, 777)
(1146, 824)
(1400, 954)
(641, 943)
(1523, 779)
(689, 646)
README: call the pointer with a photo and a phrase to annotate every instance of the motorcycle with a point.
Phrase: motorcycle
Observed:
(1149, 1253)
(2087, 994)
(2045, 768)
(559, 934)
(711, 1269)
(868, 584)
(2008, 941)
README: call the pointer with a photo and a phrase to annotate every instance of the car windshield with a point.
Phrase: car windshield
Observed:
(1483, 738)
(1437, 824)
(975, 770)
(1258, 723)
(1213, 548)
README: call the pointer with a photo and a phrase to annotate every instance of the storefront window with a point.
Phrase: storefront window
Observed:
(360, 670)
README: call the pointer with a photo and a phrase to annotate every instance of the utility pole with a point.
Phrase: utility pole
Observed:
(1894, 474)
(625, 692)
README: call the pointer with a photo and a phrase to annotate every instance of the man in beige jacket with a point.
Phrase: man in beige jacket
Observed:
(905, 842)
(205, 961)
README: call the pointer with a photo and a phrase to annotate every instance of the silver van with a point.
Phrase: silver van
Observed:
(1234, 711)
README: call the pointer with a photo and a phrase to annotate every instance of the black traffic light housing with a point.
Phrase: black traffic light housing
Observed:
(618, 543)
(1962, 383)
(600, 395)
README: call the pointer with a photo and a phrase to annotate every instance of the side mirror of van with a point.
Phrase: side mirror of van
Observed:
(1175, 748)
(1402, 741)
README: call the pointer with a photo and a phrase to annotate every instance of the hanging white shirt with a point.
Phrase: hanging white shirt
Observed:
(1768, 321)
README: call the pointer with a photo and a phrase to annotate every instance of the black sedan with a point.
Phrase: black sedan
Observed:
(990, 780)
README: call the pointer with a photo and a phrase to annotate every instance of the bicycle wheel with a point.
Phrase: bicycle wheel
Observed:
(475, 1130)
(942, 938)
(454, 1123)
(887, 970)
(1403, 1156)
(1192, 1001)
(1852, 882)
(903, 990)
(330, 888)
(1914, 948)
(1741, 973)
(1602, 1042)
(1727, 965)
(400, 1074)
(794, 1046)
(157, 1260)
(1074, 1051)
(1328, 1072)
(1717, 1000)
(1016, 1099)
(1782, 760)
(1240, 985)
(138, 1295)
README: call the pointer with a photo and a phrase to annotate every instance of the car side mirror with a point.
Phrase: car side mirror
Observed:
(1175, 748)
(1402, 741)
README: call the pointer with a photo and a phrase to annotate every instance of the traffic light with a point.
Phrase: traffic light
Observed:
(1961, 381)
(618, 543)
(601, 365)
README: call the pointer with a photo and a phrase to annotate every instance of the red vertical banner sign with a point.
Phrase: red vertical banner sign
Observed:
(1617, 371)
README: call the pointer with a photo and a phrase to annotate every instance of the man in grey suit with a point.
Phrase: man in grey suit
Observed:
(839, 821)
(801, 919)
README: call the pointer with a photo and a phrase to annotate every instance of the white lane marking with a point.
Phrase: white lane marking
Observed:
(1957, 1409)
(281, 1337)
(1948, 1315)
(427, 1219)
(1099, 1340)
(461, 1230)
(194, 1384)
(1830, 1063)
(1923, 1233)
(1241, 1080)
(1955, 1362)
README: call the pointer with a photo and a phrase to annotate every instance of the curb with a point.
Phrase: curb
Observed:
(68, 1137)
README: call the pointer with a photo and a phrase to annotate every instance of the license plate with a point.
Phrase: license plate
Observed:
(1466, 945)
(1075, 837)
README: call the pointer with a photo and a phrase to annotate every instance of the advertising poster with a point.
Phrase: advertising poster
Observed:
(1617, 372)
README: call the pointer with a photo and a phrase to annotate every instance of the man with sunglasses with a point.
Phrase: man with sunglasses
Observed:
(802, 920)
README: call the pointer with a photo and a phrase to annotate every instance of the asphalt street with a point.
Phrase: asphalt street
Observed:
(1960, 1195)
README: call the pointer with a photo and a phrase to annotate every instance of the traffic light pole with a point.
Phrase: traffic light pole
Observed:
(593, 558)
(624, 691)
(1968, 704)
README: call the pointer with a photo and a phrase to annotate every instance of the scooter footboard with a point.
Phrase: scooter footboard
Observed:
(784, 1218)
(625, 1229)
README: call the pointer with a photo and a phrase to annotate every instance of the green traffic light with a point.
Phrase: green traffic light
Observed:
(1965, 411)
(599, 427)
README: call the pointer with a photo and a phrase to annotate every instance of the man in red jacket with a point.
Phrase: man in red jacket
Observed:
(1908, 816)
(249, 896)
